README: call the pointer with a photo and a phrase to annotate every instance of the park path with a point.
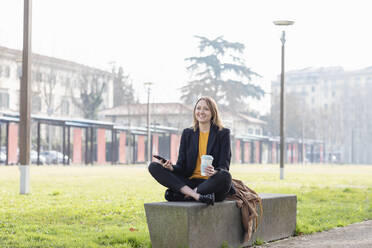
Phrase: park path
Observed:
(358, 235)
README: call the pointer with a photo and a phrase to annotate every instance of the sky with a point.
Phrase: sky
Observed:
(151, 39)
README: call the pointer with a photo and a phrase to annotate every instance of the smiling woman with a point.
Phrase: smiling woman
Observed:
(194, 177)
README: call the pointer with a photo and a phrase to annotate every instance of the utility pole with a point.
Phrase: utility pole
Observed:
(25, 102)
(148, 86)
(282, 92)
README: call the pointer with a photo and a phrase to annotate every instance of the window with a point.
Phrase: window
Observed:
(39, 76)
(19, 71)
(1, 70)
(7, 71)
(258, 131)
(77, 84)
(313, 88)
(67, 82)
(250, 130)
(4, 100)
(52, 78)
(76, 110)
(104, 85)
(36, 103)
(65, 107)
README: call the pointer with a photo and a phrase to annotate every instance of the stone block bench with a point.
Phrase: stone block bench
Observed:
(194, 225)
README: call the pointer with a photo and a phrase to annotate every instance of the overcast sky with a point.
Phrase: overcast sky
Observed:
(151, 39)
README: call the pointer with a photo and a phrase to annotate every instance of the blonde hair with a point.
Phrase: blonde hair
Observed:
(212, 105)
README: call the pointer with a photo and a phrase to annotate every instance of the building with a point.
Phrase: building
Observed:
(179, 116)
(321, 87)
(343, 99)
(54, 84)
(56, 87)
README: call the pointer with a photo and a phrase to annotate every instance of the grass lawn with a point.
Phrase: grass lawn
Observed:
(102, 206)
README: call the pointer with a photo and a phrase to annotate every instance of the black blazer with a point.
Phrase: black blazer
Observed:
(218, 146)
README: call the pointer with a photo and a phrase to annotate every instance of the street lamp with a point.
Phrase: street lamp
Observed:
(148, 87)
(283, 23)
(25, 102)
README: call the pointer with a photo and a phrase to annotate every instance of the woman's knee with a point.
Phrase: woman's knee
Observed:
(225, 179)
(224, 175)
(154, 166)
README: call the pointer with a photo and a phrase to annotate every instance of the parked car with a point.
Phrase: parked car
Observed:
(54, 157)
(2, 157)
(33, 157)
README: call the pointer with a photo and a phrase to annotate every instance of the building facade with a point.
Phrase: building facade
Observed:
(342, 98)
(179, 116)
(55, 84)
(324, 86)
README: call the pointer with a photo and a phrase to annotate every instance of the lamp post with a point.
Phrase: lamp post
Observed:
(148, 87)
(25, 102)
(283, 23)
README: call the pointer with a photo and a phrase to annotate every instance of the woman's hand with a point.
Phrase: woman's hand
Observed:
(209, 170)
(167, 165)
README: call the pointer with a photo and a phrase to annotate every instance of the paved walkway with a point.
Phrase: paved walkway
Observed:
(357, 235)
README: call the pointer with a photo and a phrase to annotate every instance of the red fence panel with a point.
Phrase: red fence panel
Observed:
(101, 146)
(295, 153)
(273, 152)
(77, 142)
(321, 153)
(122, 143)
(289, 153)
(247, 152)
(13, 143)
(258, 151)
(155, 144)
(175, 144)
(238, 152)
(141, 148)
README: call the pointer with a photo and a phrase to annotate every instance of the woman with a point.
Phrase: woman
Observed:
(207, 136)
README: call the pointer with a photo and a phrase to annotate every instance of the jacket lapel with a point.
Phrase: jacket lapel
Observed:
(211, 139)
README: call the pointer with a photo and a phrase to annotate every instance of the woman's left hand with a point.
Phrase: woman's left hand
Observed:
(209, 170)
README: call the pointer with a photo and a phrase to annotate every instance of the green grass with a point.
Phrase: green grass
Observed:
(102, 206)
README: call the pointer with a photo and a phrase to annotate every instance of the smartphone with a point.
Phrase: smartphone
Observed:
(163, 160)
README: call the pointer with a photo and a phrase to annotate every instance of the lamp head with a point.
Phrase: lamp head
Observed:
(148, 84)
(283, 22)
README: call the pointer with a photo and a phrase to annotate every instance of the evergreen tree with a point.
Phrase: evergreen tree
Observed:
(123, 89)
(220, 73)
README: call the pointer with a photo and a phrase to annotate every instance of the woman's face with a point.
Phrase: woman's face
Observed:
(202, 112)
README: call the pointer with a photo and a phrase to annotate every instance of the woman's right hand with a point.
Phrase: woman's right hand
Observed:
(167, 165)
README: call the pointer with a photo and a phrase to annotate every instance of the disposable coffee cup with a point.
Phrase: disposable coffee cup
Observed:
(205, 161)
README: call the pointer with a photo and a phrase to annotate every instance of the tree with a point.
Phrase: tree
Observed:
(90, 95)
(354, 134)
(48, 93)
(220, 73)
(299, 120)
(123, 88)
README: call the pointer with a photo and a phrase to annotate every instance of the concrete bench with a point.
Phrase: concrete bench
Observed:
(194, 225)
